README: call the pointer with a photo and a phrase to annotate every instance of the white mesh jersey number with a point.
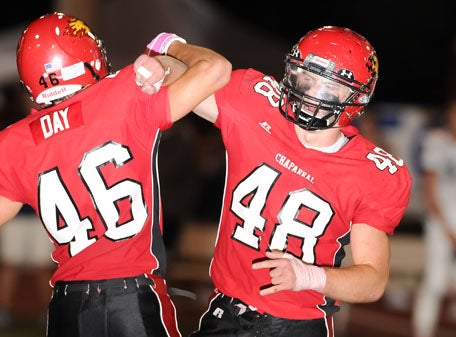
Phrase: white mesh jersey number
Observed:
(60, 204)
(256, 188)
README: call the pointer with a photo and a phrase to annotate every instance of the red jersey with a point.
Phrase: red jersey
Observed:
(88, 167)
(281, 195)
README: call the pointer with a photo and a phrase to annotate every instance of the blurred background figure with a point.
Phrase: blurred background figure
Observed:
(438, 160)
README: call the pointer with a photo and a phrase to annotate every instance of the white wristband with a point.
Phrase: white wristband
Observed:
(308, 276)
(157, 85)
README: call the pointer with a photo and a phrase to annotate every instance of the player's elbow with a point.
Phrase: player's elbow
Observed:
(375, 291)
(220, 69)
(375, 294)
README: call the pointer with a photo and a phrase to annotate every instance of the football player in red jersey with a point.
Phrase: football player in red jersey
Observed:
(301, 185)
(86, 161)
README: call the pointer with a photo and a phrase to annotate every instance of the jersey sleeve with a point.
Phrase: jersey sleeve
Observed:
(8, 169)
(387, 194)
(148, 112)
(158, 108)
(236, 95)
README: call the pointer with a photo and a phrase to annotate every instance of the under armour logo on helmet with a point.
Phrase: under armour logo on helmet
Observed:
(346, 74)
(295, 51)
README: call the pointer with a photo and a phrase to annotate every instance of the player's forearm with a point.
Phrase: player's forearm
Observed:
(8, 209)
(207, 71)
(198, 70)
(204, 71)
(355, 284)
(200, 59)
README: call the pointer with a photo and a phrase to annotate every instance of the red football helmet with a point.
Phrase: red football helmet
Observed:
(330, 76)
(58, 55)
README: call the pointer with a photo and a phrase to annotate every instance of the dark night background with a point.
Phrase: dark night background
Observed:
(413, 38)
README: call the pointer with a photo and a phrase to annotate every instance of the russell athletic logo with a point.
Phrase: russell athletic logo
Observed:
(265, 126)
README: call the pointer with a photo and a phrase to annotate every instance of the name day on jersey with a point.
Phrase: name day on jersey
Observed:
(55, 122)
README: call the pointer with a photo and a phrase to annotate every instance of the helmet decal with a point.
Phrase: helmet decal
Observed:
(295, 51)
(53, 66)
(326, 64)
(372, 63)
(77, 28)
(347, 74)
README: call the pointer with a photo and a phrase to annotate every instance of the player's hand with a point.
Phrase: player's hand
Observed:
(149, 73)
(280, 270)
(290, 273)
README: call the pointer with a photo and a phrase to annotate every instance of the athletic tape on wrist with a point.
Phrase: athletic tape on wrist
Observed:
(157, 85)
(160, 44)
(308, 276)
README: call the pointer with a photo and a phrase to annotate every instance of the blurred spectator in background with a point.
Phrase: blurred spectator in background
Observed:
(438, 161)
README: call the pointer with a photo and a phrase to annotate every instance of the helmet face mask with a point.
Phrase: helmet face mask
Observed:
(57, 56)
(329, 78)
(314, 101)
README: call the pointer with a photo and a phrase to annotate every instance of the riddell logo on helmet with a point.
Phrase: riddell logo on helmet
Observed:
(50, 94)
(77, 28)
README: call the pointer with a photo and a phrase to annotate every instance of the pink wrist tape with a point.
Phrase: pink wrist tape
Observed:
(160, 44)
(307, 276)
